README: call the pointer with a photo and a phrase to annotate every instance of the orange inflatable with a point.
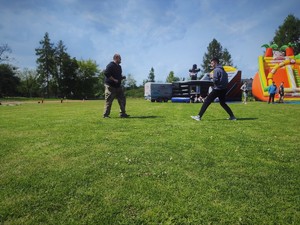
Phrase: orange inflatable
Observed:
(277, 68)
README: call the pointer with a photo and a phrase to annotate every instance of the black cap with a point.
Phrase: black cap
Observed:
(194, 69)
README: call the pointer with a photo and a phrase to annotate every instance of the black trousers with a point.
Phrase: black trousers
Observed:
(221, 94)
(271, 98)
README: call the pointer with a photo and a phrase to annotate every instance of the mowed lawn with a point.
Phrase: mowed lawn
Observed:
(65, 164)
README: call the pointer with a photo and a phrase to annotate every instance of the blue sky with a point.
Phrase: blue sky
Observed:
(168, 35)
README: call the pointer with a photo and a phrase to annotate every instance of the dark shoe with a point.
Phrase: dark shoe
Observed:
(104, 116)
(124, 115)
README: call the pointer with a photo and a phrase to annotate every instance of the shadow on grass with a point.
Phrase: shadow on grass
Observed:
(143, 117)
(238, 119)
(247, 118)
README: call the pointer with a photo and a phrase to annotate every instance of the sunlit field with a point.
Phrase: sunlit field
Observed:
(62, 163)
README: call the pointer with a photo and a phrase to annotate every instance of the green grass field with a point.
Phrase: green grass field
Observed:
(65, 164)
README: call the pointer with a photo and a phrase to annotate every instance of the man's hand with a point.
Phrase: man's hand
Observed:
(113, 79)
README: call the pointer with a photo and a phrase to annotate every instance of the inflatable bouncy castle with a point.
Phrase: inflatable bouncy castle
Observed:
(278, 67)
(185, 91)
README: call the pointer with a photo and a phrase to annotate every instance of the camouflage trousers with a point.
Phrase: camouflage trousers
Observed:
(110, 94)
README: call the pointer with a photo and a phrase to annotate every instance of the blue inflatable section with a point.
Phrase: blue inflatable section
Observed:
(180, 99)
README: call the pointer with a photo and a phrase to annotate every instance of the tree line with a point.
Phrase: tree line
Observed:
(214, 49)
(58, 75)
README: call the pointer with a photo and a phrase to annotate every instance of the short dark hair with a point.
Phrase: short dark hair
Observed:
(116, 56)
(215, 59)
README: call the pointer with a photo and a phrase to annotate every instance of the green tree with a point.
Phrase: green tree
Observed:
(65, 79)
(289, 32)
(100, 85)
(5, 50)
(9, 82)
(62, 60)
(46, 63)
(68, 78)
(29, 86)
(226, 58)
(171, 78)
(215, 49)
(135, 93)
(130, 82)
(151, 76)
(87, 78)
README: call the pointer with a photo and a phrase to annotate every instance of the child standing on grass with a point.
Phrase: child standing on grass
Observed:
(272, 91)
(281, 92)
(244, 88)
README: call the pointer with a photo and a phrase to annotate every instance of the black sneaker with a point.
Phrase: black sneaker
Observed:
(104, 116)
(124, 115)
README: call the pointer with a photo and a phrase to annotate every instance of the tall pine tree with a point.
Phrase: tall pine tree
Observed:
(46, 63)
(226, 58)
(60, 57)
(151, 76)
(215, 49)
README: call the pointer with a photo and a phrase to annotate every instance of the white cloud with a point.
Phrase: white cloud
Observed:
(166, 35)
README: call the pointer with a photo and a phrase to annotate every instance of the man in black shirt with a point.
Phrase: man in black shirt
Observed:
(113, 88)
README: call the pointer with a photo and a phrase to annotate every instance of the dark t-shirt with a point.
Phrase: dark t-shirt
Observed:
(113, 70)
(281, 90)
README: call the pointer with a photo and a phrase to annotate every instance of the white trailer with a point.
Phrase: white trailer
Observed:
(159, 92)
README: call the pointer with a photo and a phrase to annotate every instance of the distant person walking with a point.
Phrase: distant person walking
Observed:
(281, 92)
(220, 80)
(244, 88)
(113, 88)
(272, 91)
